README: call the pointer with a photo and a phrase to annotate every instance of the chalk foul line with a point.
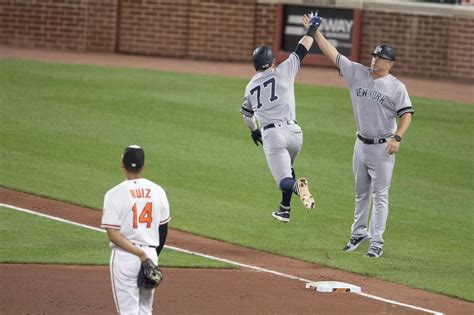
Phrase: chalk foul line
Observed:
(235, 263)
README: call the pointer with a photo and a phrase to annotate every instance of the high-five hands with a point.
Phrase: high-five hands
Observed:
(312, 22)
(314, 19)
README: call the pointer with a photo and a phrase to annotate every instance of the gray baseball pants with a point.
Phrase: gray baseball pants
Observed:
(373, 168)
(281, 145)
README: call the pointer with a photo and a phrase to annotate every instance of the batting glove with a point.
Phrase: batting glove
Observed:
(257, 136)
(314, 22)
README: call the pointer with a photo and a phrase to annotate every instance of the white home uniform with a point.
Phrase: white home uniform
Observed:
(270, 96)
(376, 104)
(136, 208)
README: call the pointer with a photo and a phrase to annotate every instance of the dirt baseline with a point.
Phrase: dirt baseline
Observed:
(56, 289)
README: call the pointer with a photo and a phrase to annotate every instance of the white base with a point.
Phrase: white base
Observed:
(332, 286)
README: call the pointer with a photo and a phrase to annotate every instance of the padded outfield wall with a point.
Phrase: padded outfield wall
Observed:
(433, 41)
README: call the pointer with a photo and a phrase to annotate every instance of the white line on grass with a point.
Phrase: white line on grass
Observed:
(236, 263)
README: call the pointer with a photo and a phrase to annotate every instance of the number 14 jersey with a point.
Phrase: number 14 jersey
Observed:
(270, 94)
(137, 208)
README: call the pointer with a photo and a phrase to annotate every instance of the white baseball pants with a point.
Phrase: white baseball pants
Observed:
(124, 268)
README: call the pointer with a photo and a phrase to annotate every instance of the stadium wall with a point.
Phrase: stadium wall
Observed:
(431, 40)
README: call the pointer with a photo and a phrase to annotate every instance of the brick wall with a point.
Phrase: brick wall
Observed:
(265, 24)
(221, 30)
(58, 24)
(426, 46)
(154, 27)
(101, 25)
(461, 49)
(217, 29)
(226, 30)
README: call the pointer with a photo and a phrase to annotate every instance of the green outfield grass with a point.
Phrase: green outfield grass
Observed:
(63, 128)
(39, 240)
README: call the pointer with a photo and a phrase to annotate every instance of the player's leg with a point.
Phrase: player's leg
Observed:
(286, 196)
(277, 155)
(295, 142)
(279, 162)
(284, 209)
(381, 165)
(146, 296)
(124, 269)
(359, 233)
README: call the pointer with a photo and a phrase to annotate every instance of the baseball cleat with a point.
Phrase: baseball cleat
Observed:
(283, 216)
(354, 243)
(374, 252)
(305, 196)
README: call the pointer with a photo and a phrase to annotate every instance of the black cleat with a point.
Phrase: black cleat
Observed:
(354, 243)
(283, 216)
(374, 252)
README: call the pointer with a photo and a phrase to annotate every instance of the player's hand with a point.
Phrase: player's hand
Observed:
(312, 19)
(143, 256)
(393, 146)
(315, 19)
(257, 136)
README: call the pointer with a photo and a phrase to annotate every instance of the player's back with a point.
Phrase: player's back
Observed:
(138, 205)
(271, 92)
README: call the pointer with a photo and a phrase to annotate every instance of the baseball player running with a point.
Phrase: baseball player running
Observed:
(378, 98)
(268, 109)
(136, 215)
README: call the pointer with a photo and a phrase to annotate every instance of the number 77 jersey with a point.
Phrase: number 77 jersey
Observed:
(137, 208)
(270, 94)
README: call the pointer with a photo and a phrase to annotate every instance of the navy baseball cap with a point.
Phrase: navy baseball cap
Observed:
(133, 157)
(384, 51)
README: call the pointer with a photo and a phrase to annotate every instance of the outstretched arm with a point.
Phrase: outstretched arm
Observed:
(326, 47)
(314, 20)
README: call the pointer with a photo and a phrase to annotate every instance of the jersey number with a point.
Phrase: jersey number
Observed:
(145, 215)
(257, 89)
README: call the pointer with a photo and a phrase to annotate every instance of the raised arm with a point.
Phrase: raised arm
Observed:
(326, 47)
(314, 20)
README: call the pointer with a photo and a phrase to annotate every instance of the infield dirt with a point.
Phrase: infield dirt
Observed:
(56, 289)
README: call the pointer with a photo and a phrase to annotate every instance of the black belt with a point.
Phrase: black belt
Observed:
(371, 140)
(140, 245)
(290, 122)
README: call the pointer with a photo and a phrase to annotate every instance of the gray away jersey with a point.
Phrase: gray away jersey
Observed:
(270, 94)
(376, 103)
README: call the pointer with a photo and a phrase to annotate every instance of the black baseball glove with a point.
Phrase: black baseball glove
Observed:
(149, 276)
(257, 136)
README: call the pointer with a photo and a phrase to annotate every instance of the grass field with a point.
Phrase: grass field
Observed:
(39, 240)
(64, 127)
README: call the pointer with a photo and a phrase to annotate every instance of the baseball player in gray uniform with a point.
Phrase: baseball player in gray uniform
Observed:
(378, 98)
(270, 98)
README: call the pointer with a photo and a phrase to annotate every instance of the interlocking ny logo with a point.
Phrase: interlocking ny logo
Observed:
(378, 49)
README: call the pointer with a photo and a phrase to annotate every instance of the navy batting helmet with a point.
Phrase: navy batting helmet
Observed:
(384, 51)
(262, 58)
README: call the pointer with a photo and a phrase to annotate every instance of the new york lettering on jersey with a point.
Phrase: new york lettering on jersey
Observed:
(371, 94)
